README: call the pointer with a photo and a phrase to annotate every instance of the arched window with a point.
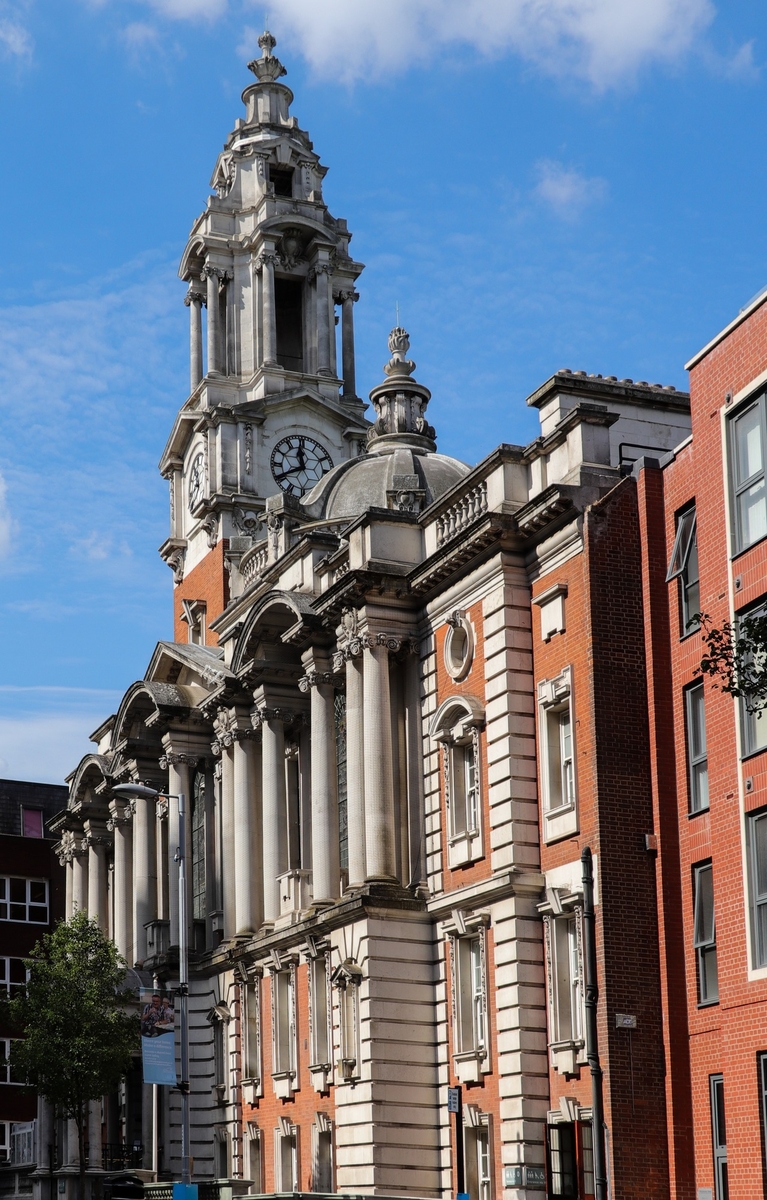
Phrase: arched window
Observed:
(456, 726)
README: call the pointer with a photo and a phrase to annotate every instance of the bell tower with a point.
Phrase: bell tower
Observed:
(272, 400)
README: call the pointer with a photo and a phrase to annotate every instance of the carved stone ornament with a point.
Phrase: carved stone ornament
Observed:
(210, 525)
(315, 678)
(267, 259)
(268, 68)
(194, 296)
(223, 176)
(175, 758)
(248, 522)
(291, 248)
(175, 561)
(248, 438)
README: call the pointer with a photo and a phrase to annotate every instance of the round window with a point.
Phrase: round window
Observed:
(459, 646)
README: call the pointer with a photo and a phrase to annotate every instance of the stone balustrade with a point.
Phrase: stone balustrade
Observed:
(463, 513)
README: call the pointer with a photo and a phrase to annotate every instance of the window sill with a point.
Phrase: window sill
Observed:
(470, 1065)
(745, 549)
(690, 633)
(708, 1003)
(251, 1090)
(698, 812)
(464, 848)
(283, 1083)
(753, 753)
(321, 1076)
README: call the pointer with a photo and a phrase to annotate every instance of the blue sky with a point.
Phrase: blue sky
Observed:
(538, 183)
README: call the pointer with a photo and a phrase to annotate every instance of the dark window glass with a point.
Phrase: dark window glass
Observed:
(758, 881)
(697, 754)
(563, 1175)
(282, 178)
(289, 316)
(705, 935)
(32, 822)
(747, 438)
(719, 1137)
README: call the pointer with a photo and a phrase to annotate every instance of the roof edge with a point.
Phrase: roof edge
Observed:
(742, 316)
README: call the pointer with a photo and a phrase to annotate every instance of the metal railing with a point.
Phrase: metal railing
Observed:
(122, 1156)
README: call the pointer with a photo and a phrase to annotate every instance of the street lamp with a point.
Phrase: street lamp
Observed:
(141, 792)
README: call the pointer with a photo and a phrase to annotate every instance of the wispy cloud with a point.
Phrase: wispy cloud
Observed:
(566, 191)
(605, 42)
(53, 742)
(6, 521)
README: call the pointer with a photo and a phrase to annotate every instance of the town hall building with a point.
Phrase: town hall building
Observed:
(404, 693)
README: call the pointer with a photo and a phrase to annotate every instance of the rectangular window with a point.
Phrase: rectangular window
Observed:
(557, 741)
(219, 1055)
(719, 1137)
(465, 797)
(287, 1159)
(5, 1140)
(284, 1022)
(24, 900)
(222, 1156)
(322, 1173)
(697, 754)
(476, 1142)
(563, 1167)
(252, 1031)
(757, 840)
(348, 999)
(289, 319)
(470, 993)
(561, 775)
(567, 978)
(705, 934)
(320, 1029)
(753, 725)
(747, 446)
(684, 567)
(32, 822)
(23, 1143)
(13, 975)
(7, 1074)
(255, 1161)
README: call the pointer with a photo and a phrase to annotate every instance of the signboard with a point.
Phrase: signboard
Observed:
(453, 1100)
(158, 1036)
(530, 1177)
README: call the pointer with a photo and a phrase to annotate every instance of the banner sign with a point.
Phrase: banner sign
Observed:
(158, 1036)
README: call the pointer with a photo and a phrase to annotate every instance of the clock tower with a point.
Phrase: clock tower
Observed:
(273, 403)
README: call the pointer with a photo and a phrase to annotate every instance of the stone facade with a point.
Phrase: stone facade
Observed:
(353, 707)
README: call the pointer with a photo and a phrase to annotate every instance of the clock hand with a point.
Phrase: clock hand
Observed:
(284, 474)
(301, 458)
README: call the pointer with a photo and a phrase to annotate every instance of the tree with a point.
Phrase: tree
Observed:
(736, 658)
(78, 1039)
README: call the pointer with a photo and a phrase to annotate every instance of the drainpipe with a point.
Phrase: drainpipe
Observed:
(592, 1043)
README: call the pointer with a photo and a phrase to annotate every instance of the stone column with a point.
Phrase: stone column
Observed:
(211, 275)
(45, 1134)
(265, 264)
(414, 751)
(194, 301)
(380, 834)
(97, 842)
(247, 842)
(274, 807)
(65, 860)
(326, 871)
(79, 874)
(348, 298)
(322, 273)
(144, 871)
(179, 780)
(227, 877)
(122, 880)
(95, 1153)
(355, 764)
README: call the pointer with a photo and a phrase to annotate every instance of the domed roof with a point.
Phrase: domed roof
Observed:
(401, 468)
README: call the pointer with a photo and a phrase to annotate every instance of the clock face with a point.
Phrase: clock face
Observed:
(196, 481)
(298, 463)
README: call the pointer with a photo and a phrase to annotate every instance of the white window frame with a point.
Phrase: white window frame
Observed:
(478, 1146)
(469, 992)
(559, 789)
(6, 985)
(5, 1141)
(23, 1143)
(563, 947)
(320, 1020)
(704, 939)
(738, 489)
(347, 979)
(5, 1066)
(252, 1061)
(286, 1141)
(697, 755)
(6, 903)
(457, 726)
(284, 1029)
(322, 1134)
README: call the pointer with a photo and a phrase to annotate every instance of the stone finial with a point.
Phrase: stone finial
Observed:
(399, 344)
(268, 68)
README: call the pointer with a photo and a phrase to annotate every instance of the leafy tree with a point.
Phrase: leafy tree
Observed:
(736, 658)
(78, 1039)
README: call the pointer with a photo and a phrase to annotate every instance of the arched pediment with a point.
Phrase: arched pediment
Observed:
(467, 710)
(91, 771)
(286, 617)
(145, 699)
(193, 259)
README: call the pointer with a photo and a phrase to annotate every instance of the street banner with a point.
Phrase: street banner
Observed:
(158, 1036)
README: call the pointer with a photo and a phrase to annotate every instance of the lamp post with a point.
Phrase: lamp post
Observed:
(140, 791)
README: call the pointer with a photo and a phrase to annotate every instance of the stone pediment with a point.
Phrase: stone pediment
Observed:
(170, 659)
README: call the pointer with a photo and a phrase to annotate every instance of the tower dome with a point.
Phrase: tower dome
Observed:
(401, 468)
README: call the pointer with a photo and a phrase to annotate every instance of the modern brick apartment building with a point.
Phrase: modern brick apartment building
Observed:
(31, 902)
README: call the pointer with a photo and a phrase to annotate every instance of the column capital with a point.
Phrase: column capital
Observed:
(345, 295)
(260, 716)
(320, 268)
(265, 259)
(194, 297)
(394, 643)
(219, 273)
(120, 812)
(174, 758)
(316, 678)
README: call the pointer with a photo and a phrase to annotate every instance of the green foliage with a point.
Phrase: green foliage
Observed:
(736, 658)
(77, 1038)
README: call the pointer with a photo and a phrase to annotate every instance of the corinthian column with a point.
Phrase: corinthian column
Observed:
(322, 273)
(194, 301)
(211, 275)
(144, 871)
(355, 763)
(79, 874)
(265, 264)
(179, 779)
(122, 831)
(274, 808)
(247, 842)
(326, 871)
(97, 841)
(380, 833)
(348, 298)
(226, 873)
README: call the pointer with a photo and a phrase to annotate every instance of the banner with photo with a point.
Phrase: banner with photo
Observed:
(158, 1036)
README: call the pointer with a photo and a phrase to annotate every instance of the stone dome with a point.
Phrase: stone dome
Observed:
(401, 469)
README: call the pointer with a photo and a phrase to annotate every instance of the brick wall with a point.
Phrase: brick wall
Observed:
(208, 581)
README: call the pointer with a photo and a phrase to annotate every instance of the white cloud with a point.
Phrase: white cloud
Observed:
(139, 36)
(565, 190)
(15, 39)
(6, 522)
(45, 747)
